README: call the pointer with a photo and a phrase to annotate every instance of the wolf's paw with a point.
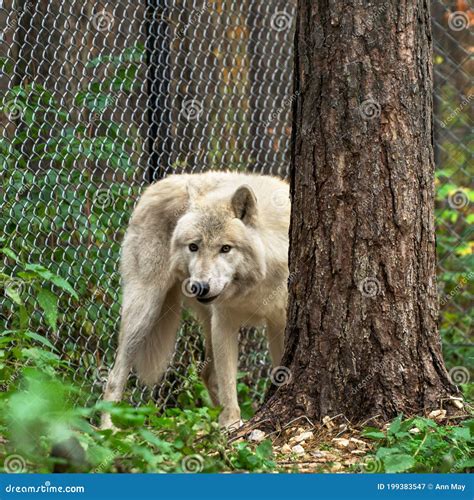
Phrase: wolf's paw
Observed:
(230, 420)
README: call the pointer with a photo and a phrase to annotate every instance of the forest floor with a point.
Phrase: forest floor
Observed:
(337, 446)
(303, 447)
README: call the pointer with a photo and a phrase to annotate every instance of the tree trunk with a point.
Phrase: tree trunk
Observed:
(361, 337)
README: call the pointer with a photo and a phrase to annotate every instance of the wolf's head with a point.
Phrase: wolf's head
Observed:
(216, 247)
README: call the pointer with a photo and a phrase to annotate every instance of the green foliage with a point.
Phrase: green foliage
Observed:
(456, 260)
(31, 295)
(245, 458)
(454, 219)
(39, 407)
(39, 417)
(194, 393)
(421, 445)
(59, 208)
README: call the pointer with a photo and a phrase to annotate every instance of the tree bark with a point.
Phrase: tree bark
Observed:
(361, 337)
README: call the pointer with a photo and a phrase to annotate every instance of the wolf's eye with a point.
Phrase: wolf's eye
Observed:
(225, 249)
(193, 247)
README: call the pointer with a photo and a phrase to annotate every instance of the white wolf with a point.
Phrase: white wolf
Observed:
(216, 243)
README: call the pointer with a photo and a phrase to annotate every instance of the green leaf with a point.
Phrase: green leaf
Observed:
(6, 65)
(162, 445)
(398, 462)
(39, 270)
(51, 277)
(465, 464)
(40, 356)
(23, 317)
(385, 452)
(95, 102)
(422, 423)
(14, 294)
(63, 284)
(395, 425)
(461, 434)
(374, 434)
(9, 253)
(40, 338)
(49, 303)
(470, 425)
(264, 449)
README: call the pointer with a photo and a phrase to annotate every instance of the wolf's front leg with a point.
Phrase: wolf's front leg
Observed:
(225, 346)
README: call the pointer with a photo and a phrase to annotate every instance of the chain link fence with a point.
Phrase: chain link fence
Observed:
(98, 99)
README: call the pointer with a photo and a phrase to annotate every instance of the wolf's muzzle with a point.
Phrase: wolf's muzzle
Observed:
(200, 289)
(207, 300)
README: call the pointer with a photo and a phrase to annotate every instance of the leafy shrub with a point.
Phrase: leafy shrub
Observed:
(421, 445)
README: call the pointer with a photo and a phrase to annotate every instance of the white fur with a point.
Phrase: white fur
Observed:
(250, 213)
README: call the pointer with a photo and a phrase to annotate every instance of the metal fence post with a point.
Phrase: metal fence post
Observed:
(158, 82)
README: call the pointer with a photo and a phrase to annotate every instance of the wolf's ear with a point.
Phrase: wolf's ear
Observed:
(244, 204)
(192, 192)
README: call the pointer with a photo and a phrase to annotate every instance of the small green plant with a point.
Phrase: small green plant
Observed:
(32, 300)
(420, 445)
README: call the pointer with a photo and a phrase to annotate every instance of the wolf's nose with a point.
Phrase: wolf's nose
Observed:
(200, 288)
